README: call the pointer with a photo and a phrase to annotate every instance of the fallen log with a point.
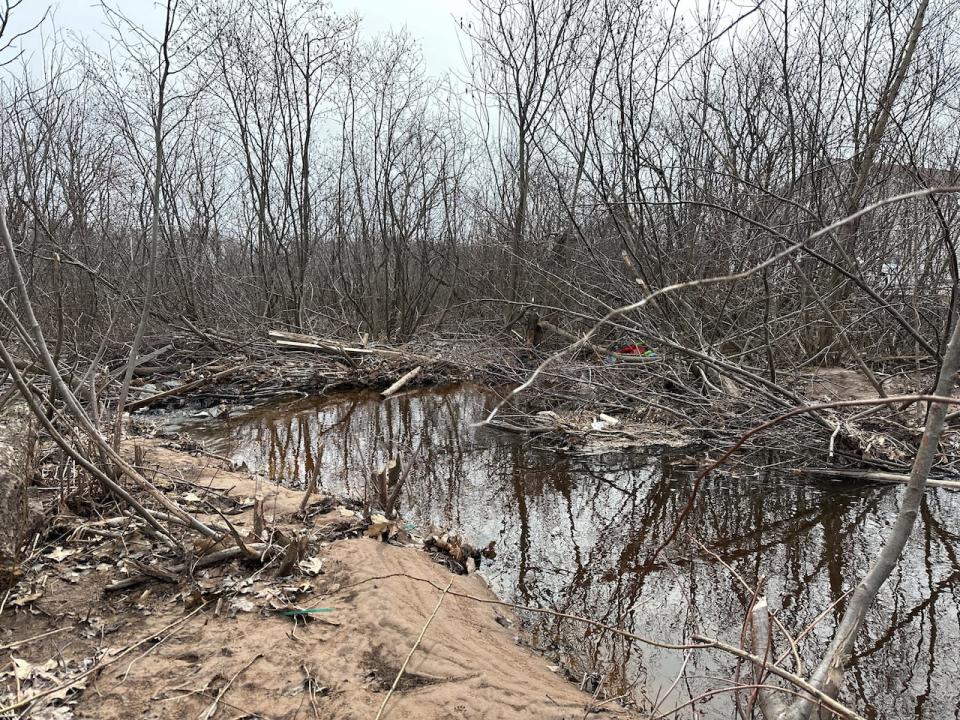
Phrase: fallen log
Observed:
(407, 377)
(296, 341)
(873, 476)
(186, 387)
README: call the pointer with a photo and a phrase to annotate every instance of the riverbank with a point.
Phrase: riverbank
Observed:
(121, 612)
(215, 642)
(583, 400)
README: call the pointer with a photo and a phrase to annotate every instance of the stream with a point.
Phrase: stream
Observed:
(577, 534)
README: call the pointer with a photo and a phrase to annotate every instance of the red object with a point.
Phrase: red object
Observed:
(632, 350)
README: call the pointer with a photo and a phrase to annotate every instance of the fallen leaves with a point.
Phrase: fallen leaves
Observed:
(311, 566)
(27, 597)
(459, 556)
(380, 527)
(242, 604)
(25, 670)
(37, 679)
(60, 554)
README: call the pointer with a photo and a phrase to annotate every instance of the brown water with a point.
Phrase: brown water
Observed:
(576, 534)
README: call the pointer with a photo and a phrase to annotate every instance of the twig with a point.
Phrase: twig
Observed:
(312, 482)
(790, 640)
(423, 631)
(18, 643)
(699, 642)
(821, 696)
(539, 610)
(212, 709)
(260, 550)
(99, 666)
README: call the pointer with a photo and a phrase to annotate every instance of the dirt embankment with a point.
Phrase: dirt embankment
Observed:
(215, 644)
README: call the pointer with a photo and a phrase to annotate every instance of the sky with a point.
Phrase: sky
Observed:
(432, 22)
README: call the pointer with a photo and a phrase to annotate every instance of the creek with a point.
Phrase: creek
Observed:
(577, 534)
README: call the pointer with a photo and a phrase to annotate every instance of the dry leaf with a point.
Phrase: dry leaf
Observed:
(62, 693)
(243, 605)
(379, 525)
(60, 554)
(312, 566)
(25, 670)
(54, 712)
(24, 600)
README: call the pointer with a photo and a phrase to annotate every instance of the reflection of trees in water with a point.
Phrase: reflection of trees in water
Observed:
(577, 535)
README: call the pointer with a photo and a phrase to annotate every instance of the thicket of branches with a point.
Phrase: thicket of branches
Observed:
(313, 179)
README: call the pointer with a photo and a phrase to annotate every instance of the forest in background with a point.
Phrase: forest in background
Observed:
(302, 177)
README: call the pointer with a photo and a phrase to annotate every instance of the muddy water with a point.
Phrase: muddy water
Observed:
(577, 534)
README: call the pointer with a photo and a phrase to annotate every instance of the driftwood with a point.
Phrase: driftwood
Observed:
(874, 476)
(407, 377)
(296, 341)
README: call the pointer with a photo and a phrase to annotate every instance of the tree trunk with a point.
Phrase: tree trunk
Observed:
(828, 677)
(16, 461)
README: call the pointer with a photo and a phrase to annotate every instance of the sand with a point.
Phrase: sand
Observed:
(237, 658)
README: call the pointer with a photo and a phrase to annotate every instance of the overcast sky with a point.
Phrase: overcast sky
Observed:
(432, 22)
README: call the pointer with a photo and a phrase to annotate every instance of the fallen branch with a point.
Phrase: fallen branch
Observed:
(824, 699)
(212, 709)
(142, 360)
(251, 550)
(97, 667)
(296, 341)
(186, 387)
(699, 642)
(874, 476)
(423, 631)
(404, 379)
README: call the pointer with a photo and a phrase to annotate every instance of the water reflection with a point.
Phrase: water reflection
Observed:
(577, 534)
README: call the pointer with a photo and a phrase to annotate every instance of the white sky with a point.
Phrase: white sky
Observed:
(432, 22)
